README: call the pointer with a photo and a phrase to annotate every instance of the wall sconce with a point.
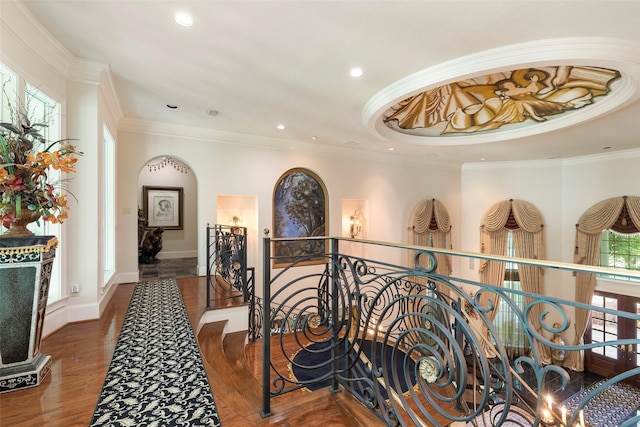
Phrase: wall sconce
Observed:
(355, 227)
(236, 223)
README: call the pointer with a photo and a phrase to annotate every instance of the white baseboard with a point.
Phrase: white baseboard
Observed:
(54, 319)
(61, 315)
(79, 313)
(202, 270)
(129, 277)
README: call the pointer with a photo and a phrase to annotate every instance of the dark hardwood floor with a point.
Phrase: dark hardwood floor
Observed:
(81, 353)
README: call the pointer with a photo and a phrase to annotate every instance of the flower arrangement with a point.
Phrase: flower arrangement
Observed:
(26, 159)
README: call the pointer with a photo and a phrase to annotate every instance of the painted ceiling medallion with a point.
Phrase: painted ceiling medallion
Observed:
(492, 101)
(507, 92)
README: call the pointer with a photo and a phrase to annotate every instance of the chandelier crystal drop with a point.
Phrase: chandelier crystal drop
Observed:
(168, 161)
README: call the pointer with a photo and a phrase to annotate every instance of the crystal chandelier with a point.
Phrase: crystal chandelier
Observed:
(168, 161)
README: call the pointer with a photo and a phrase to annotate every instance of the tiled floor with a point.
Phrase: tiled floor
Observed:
(178, 267)
(552, 386)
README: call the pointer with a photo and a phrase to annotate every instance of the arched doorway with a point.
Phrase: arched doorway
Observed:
(169, 183)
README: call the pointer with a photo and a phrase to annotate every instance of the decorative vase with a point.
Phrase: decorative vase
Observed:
(557, 354)
(18, 228)
(25, 272)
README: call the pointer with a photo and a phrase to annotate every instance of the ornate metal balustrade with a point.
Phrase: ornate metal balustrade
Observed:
(227, 264)
(414, 346)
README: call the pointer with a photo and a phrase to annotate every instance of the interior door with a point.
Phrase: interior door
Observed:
(609, 361)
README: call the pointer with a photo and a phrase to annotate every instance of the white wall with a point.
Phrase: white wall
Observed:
(589, 180)
(562, 190)
(484, 185)
(222, 168)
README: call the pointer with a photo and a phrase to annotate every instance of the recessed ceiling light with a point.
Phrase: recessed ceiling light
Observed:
(483, 158)
(281, 127)
(356, 72)
(183, 19)
(172, 106)
(314, 137)
(391, 149)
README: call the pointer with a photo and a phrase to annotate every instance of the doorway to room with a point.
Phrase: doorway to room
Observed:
(167, 215)
(609, 361)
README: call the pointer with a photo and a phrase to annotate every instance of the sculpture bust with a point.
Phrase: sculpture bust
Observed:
(151, 245)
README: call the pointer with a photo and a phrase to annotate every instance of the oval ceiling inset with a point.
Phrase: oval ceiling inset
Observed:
(488, 97)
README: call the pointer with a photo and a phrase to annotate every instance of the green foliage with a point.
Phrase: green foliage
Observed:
(623, 250)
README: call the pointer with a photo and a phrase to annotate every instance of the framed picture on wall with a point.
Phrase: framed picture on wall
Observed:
(163, 207)
(300, 209)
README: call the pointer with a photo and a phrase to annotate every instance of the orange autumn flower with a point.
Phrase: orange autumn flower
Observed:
(26, 160)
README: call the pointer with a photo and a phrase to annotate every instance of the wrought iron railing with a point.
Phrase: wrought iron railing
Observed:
(414, 346)
(227, 264)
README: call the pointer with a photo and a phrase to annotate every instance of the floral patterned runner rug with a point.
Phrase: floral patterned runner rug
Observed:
(608, 408)
(156, 375)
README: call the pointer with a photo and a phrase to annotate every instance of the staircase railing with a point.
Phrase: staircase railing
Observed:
(227, 264)
(413, 346)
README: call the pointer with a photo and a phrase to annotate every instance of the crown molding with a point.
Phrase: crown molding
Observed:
(82, 70)
(269, 143)
(591, 158)
(110, 95)
(596, 158)
(19, 21)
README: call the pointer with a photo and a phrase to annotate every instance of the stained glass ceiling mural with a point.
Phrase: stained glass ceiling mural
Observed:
(491, 102)
(506, 93)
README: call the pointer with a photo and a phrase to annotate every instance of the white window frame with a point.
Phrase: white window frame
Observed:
(44, 108)
(108, 206)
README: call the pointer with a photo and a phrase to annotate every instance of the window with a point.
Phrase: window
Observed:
(507, 324)
(618, 250)
(46, 110)
(108, 206)
(604, 326)
(9, 92)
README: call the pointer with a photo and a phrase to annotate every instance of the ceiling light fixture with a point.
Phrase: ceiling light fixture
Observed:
(356, 72)
(281, 127)
(183, 19)
(168, 161)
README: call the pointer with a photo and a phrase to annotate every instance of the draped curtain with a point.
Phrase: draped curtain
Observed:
(528, 240)
(430, 225)
(589, 228)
